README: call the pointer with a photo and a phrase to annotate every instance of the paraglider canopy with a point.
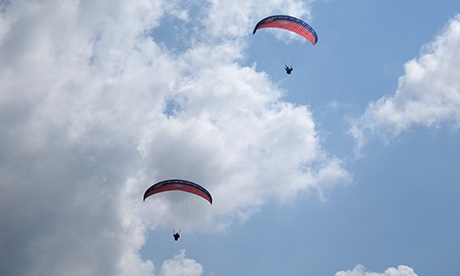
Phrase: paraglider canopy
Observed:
(184, 195)
(178, 185)
(289, 23)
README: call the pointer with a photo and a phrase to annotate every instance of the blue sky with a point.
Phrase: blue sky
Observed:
(347, 167)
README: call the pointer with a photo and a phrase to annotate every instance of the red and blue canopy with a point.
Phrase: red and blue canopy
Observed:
(288, 23)
(178, 185)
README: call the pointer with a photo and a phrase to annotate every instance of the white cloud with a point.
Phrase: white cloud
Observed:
(428, 94)
(181, 266)
(93, 111)
(360, 270)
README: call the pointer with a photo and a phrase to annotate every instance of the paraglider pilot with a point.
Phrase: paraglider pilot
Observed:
(288, 69)
(176, 236)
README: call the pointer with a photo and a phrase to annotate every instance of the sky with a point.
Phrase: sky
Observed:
(349, 166)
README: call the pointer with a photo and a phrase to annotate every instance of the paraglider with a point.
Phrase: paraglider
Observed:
(178, 185)
(288, 23)
(176, 236)
(181, 186)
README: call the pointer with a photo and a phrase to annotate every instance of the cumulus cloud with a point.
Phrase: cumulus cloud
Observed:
(181, 266)
(428, 93)
(94, 108)
(360, 270)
